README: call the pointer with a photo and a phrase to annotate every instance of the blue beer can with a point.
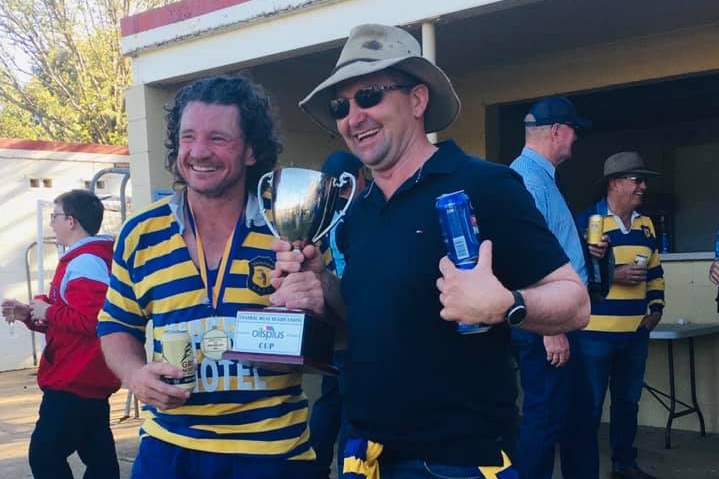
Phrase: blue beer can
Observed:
(461, 236)
(716, 248)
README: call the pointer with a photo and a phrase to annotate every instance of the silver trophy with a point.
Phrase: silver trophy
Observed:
(303, 203)
(302, 206)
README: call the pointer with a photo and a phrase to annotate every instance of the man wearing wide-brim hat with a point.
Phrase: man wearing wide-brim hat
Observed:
(422, 399)
(612, 349)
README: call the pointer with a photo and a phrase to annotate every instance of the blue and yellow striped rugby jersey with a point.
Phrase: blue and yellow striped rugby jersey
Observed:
(235, 408)
(626, 305)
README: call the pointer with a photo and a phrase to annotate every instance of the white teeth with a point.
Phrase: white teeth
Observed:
(361, 136)
(202, 169)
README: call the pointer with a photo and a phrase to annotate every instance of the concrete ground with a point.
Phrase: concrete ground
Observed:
(692, 456)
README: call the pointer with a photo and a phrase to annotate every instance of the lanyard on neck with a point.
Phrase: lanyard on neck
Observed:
(216, 291)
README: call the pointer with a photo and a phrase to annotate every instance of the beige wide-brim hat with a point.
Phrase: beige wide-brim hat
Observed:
(371, 48)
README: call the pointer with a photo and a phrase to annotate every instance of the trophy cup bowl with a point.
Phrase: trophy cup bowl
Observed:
(283, 339)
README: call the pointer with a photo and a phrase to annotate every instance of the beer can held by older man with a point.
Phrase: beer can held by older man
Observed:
(595, 230)
(461, 236)
(641, 259)
(177, 350)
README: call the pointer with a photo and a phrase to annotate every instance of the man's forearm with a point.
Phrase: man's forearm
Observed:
(123, 354)
(557, 304)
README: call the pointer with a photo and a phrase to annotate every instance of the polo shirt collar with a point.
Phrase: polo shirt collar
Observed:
(603, 209)
(253, 215)
(444, 161)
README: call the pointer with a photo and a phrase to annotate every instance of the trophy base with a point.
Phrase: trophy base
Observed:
(282, 363)
(284, 340)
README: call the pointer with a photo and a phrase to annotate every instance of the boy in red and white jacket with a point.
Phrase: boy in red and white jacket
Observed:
(76, 382)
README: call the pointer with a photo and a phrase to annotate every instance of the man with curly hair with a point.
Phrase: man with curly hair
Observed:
(190, 262)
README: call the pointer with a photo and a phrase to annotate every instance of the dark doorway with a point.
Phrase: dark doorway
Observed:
(673, 124)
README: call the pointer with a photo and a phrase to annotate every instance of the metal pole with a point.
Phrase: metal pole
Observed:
(125, 172)
(28, 276)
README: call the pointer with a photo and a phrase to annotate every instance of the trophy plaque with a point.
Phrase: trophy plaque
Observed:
(283, 339)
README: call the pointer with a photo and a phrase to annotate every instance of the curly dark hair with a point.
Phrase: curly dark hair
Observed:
(256, 121)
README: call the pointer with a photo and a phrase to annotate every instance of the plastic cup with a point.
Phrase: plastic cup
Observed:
(11, 325)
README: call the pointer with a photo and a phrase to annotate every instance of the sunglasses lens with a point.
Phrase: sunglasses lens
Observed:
(368, 97)
(339, 108)
(365, 98)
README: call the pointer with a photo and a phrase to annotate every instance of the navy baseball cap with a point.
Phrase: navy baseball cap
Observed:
(340, 161)
(555, 109)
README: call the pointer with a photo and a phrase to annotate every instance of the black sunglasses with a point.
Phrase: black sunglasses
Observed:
(365, 98)
(636, 179)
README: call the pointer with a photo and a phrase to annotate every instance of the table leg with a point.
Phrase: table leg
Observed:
(672, 396)
(692, 382)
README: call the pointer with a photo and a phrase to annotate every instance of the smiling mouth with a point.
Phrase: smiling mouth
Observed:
(203, 169)
(366, 134)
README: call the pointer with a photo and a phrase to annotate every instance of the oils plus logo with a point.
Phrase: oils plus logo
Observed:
(267, 332)
(267, 335)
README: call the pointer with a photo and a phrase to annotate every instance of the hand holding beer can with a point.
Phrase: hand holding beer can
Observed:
(461, 236)
(177, 350)
(641, 259)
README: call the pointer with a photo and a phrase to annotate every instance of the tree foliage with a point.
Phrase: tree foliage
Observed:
(62, 76)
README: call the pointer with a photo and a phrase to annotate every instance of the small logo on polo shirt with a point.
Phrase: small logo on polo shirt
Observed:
(258, 279)
(647, 232)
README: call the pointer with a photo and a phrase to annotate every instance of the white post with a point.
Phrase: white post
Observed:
(429, 51)
(40, 250)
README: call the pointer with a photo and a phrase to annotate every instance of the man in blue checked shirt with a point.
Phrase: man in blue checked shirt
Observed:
(551, 128)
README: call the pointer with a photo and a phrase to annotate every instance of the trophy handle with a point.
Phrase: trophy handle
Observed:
(266, 177)
(339, 183)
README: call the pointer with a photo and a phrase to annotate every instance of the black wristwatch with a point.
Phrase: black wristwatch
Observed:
(517, 312)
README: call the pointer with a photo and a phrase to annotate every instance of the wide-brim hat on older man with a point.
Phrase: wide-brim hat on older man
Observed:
(624, 163)
(371, 48)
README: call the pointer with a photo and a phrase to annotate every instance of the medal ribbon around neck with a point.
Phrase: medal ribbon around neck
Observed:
(217, 291)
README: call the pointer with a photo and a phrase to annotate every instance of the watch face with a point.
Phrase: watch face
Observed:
(516, 314)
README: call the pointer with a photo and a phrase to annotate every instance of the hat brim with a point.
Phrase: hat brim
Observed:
(582, 123)
(644, 172)
(575, 121)
(443, 107)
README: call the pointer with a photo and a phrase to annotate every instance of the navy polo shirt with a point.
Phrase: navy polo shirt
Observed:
(411, 381)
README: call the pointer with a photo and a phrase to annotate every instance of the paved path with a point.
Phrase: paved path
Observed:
(19, 403)
(692, 457)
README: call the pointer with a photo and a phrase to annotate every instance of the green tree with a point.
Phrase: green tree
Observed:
(62, 76)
